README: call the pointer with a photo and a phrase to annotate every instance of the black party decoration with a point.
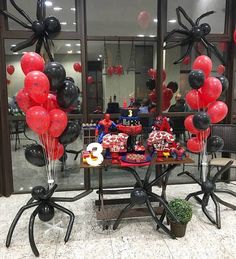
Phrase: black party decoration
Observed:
(196, 78)
(214, 144)
(151, 84)
(201, 120)
(34, 154)
(71, 133)
(173, 86)
(44, 28)
(46, 212)
(225, 83)
(197, 33)
(69, 78)
(67, 94)
(56, 75)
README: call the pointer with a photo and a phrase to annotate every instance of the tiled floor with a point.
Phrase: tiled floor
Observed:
(135, 238)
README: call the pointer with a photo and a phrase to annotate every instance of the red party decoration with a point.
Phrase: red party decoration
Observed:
(58, 122)
(37, 86)
(195, 145)
(194, 99)
(203, 63)
(31, 61)
(144, 19)
(119, 70)
(38, 119)
(188, 123)
(211, 90)
(90, 80)
(110, 71)
(23, 100)
(220, 69)
(234, 36)
(186, 60)
(50, 103)
(10, 69)
(77, 67)
(217, 111)
(57, 153)
(165, 105)
(152, 73)
(167, 94)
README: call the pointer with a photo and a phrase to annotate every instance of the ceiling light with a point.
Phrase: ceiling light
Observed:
(70, 51)
(140, 35)
(152, 35)
(72, 9)
(68, 45)
(74, 23)
(48, 3)
(15, 53)
(57, 8)
(172, 21)
(77, 44)
(21, 188)
(63, 23)
(98, 59)
(79, 52)
(155, 20)
(100, 56)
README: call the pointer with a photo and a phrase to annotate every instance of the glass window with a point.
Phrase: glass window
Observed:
(121, 18)
(64, 11)
(195, 8)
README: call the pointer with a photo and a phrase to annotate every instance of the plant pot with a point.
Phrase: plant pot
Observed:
(178, 229)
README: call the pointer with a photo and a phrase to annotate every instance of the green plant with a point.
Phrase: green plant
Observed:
(181, 209)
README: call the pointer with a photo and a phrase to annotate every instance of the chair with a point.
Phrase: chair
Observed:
(16, 128)
(208, 186)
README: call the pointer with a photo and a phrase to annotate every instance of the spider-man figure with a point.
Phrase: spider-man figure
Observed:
(162, 123)
(104, 127)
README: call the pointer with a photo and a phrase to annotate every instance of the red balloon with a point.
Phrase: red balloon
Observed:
(90, 80)
(167, 94)
(23, 100)
(119, 70)
(77, 67)
(220, 69)
(37, 86)
(195, 145)
(217, 111)
(203, 63)
(10, 69)
(49, 142)
(186, 60)
(31, 61)
(51, 103)
(211, 90)
(235, 36)
(58, 122)
(194, 99)
(38, 119)
(56, 153)
(165, 105)
(152, 73)
(204, 134)
(144, 19)
(110, 71)
(188, 124)
(153, 96)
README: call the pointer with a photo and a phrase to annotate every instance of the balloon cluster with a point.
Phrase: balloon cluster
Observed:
(45, 98)
(203, 98)
(115, 70)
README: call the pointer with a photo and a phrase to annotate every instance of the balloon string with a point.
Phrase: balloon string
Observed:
(44, 153)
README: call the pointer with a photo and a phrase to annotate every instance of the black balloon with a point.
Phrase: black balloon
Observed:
(70, 79)
(71, 133)
(46, 212)
(38, 192)
(173, 86)
(67, 94)
(34, 154)
(64, 157)
(201, 121)
(52, 26)
(225, 83)
(138, 195)
(196, 79)
(151, 84)
(56, 75)
(214, 144)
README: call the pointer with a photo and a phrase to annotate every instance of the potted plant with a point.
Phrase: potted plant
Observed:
(183, 212)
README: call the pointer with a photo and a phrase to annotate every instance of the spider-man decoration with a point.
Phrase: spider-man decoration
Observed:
(104, 127)
(197, 33)
(162, 124)
(44, 28)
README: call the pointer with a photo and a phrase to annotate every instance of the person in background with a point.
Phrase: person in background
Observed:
(144, 108)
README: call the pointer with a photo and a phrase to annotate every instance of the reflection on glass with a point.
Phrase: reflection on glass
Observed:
(122, 18)
(63, 11)
(120, 72)
(195, 8)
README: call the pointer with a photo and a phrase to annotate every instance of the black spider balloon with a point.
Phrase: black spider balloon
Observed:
(45, 205)
(44, 28)
(197, 33)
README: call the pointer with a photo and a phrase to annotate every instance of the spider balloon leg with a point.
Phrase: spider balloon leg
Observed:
(39, 46)
(188, 51)
(72, 218)
(204, 209)
(193, 194)
(40, 12)
(181, 10)
(175, 31)
(226, 191)
(31, 232)
(180, 43)
(202, 16)
(25, 44)
(22, 12)
(190, 175)
(17, 217)
(16, 19)
(47, 48)
(206, 47)
(231, 206)
(128, 207)
(218, 221)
